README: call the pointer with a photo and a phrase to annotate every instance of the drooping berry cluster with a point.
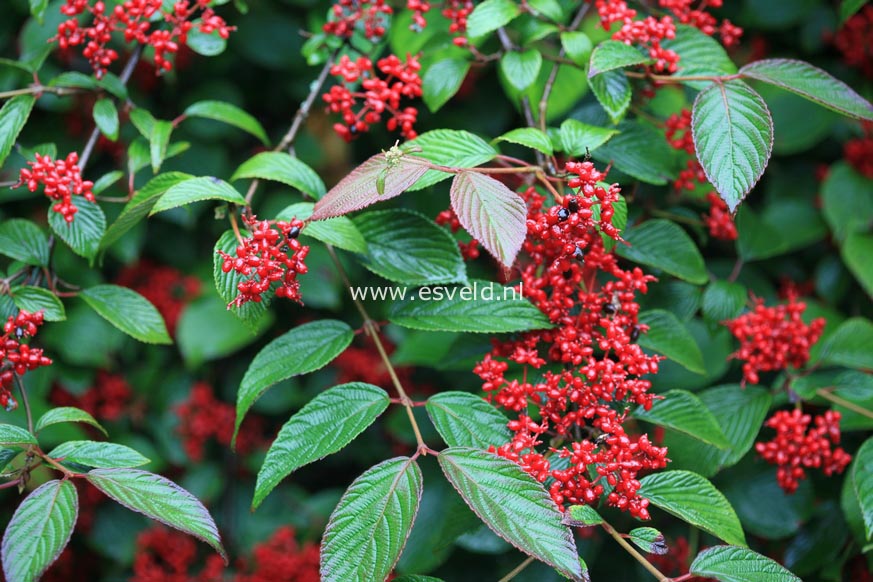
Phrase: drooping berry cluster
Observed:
(774, 337)
(797, 446)
(138, 21)
(570, 276)
(109, 398)
(168, 289)
(469, 250)
(859, 152)
(677, 130)
(456, 11)
(719, 220)
(702, 20)
(377, 95)
(61, 180)
(347, 15)
(264, 258)
(853, 41)
(18, 358)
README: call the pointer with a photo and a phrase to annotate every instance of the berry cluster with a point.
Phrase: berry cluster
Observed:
(853, 41)
(203, 417)
(859, 152)
(282, 559)
(570, 276)
(345, 15)
(168, 289)
(456, 11)
(108, 399)
(797, 446)
(17, 358)
(773, 338)
(704, 21)
(377, 95)
(61, 180)
(263, 258)
(677, 130)
(138, 21)
(469, 250)
(719, 220)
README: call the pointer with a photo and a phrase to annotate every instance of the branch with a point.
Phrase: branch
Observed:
(553, 75)
(847, 404)
(517, 570)
(25, 402)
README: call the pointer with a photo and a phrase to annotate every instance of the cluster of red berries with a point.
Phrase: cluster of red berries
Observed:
(719, 220)
(345, 15)
(568, 274)
(377, 95)
(648, 32)
(17, 358)
(108, 399)
(469, 250)
(853, 41)
(282, 559)
(797, 446)
(61, 180)
(456, 11)
(136, 20)
(774, 337)
(704, 21)
(168, 289)
(859, 152)
(264, 258)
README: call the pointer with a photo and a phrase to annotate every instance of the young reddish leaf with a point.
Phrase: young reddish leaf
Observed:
(360, 188)
(491, 213)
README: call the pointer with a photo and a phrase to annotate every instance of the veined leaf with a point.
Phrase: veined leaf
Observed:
(442, 80)
(449, 147)
(683, 411)
(733, 564)
(862, 476)
(664, 245)
(98, 455)
(35, 299)
(197, 190)
(24, 241)
(669, 336)
(849, 345)
(13, 116)
(283, 168)
(128, 311)
(612, 54)
(340, 231)
(529, 137)
(578, 139)
(521, 68)
(66, 414)
(229, 114)
(491, 15)
(465, 420)
(106, 117)
(15, 436)
(83, 235)
(649, 539)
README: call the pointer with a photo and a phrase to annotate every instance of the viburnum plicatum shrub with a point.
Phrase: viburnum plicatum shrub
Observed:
(366, 290)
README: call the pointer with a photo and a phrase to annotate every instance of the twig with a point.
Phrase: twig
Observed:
(553, 74)
(847, 404)
(38, 89)
(517, 570)
(25, 402)
(526, 108)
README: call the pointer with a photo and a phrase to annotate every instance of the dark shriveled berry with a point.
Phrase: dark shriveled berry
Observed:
(609, 308)
(635, 333)
(573, 205)
(578, 254)
(294, 232)
(563, 214)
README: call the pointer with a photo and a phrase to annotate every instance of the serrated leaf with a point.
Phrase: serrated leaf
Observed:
(227, 284)
(229, 114)
(442, 80)
(578, 47)
(849, 345)
(13, 116)
(465, 420)
(654, 164)
(664, 245)
(694, 500)
(283, 168)
(847, 204)
(128, 311)
(649, 540)
(98, 455)
(106, 181)
(491, 15)
(668, 336)
(528, 518)
(35, 299)
(304, 349)
(340, 232)
(733, 564)
(197, 190)
(551, 9)
(449, 147)
(160, 499)
(811, 83)
(406, 247)
(613, 92)
(724, 300)
(24, 241)
(700, 55)
(39, 531)
(733, 137)
(480, 308)
(856, 252)
(862, 476)
(581, 516)
(530, 137)
(67, 414)
(613, 54)
(143, 121)
(159, 141)
(578, 139)
(521, 68)
(15, 436)
(83, 235)
(106, 117)
(358, 189)
(370, 525)
(328, 423)
(684, 412)
(492, 213)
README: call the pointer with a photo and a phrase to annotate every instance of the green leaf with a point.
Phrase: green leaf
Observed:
(326, 425)
(229, 114)
(862, 475)
(442, 80)
(39, 531)
(13, 116)
(668, 336)
(551, 9)
(733, 136)
(406, 247)
(733, 564)
(24, 241)
(578, 47)
(449, 147)
(579, 138)
(811, 83)
(340, 232)
(67, 414)
(694, 500)
(283, 168)
(653, 164)
(492, 213)
(684, 412)
(35, 299)
(521, 68)
(106, 117)
(227, 284)
(206, 44)
(370, 525)
(143, 121)
(530, 137)
(15, 436)
(491, 15)
(856, 251)
(37, 8)
(197, 190)
(613, 92)
(612, 54)
(465, 420)
(140, 205)
(128, 311)
(159, 141)
(480, 308)
(850, 7)
(649, 540)
(847, 204)
(700, 55)
(849, 345)
(304, 349)
(582, 516)
(106, 181)
(664, 245)
(160, 499)
(83, 235)
(98, 455)
(483, 480)
(724, 300)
